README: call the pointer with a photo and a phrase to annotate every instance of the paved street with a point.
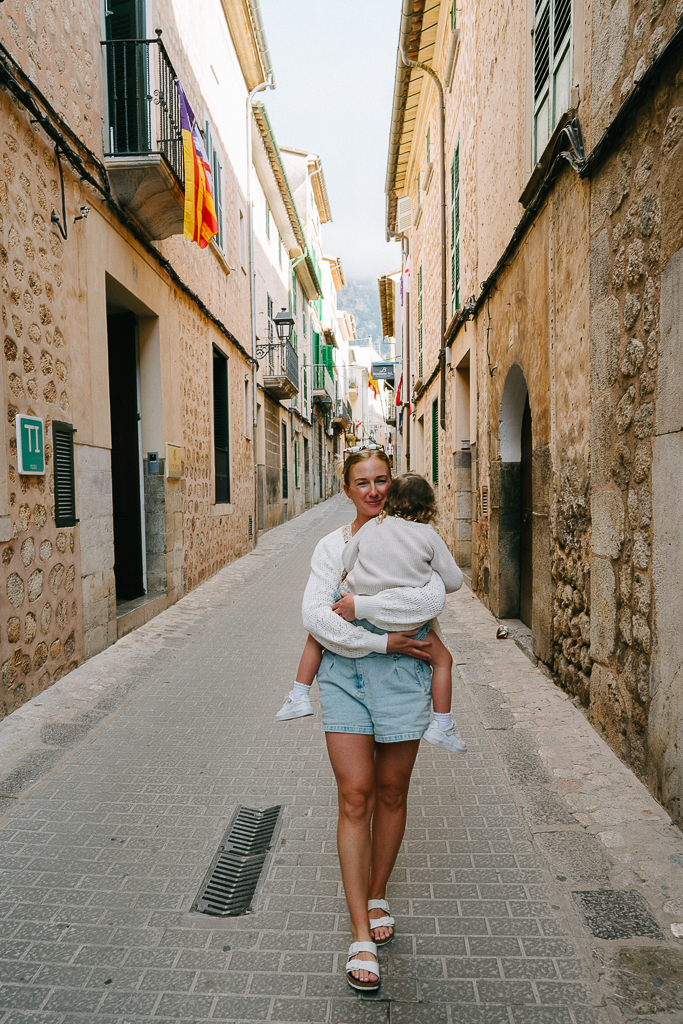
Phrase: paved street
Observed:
(119, 782)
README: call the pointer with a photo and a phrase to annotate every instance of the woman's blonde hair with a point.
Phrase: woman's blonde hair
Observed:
(343, 467)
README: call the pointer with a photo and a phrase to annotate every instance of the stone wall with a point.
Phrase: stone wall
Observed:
(636, 203)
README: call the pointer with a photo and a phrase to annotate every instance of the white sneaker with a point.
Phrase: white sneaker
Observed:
(295, 708)
(448, 738)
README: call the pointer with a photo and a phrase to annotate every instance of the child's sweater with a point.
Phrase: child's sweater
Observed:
(395, 553)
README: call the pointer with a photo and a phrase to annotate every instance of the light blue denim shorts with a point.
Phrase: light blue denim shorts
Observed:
(387, 696)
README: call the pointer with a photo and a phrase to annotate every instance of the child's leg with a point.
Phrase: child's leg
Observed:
(310, 661)
(442, 665)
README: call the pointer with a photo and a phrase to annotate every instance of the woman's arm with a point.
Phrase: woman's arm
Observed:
(404, 606)
(331, 630)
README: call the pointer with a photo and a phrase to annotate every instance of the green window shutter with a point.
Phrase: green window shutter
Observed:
(63, 467)
(218, 199)
(419, 322)
(285, 467)
(455, 230)
(435, 441)
(454, 16)
(220, 428)
(328, 358)
(429, 144)
(316, 348)
(296, 463)
(552, 67)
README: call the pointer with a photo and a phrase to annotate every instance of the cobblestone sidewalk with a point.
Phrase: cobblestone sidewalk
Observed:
(118, 784)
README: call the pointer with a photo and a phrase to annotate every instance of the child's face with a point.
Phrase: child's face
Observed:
(368, 486)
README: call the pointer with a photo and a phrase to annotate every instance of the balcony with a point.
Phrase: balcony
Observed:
(342, 413)
(323, 389)
(144, 148)
(391, 412)
(281, 379)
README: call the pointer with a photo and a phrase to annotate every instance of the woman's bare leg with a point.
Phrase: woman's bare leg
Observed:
(393, 768)
(353, 761)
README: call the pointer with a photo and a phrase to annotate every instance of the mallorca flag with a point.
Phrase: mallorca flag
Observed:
(200, 214)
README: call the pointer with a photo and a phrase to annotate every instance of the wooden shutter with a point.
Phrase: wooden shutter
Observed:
(218, 198)
(220, 428)
(419, 322)
(455, 230)
(435, 441)
(65, 487)
(285, 466)
(552, 67)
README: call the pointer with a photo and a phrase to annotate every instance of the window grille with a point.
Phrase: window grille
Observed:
(455, 230)
(220, 428)
(65, 488)
(552, 67)
(435, 441)
(271, 365)
(419, 322)
(484, 502)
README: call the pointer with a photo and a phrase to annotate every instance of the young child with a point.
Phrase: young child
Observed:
(400, 548)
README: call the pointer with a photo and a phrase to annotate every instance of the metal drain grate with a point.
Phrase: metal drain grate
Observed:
(230, 883)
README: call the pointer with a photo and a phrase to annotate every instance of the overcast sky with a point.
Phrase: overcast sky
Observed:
(334, 69)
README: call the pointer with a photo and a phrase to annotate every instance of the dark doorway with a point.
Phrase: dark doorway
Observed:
(307, 474)
(125, 455)
(526, 526)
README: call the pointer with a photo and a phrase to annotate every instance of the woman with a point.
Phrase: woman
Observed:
(375, 709)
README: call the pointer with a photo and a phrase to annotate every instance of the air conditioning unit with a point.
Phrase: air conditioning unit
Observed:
(404, 214)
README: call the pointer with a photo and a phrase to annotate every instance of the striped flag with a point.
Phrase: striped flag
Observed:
(200, 214)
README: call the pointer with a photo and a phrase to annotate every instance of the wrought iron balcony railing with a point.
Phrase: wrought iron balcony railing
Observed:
(342, 413)
(281, 375)
(144, 105)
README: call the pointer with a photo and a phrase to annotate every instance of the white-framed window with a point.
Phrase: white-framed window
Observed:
(552, 67)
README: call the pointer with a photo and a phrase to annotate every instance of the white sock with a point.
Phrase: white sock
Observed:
(298, 691)
(444, 722)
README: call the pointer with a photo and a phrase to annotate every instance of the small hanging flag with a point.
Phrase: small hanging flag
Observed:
(399, 400)
(372, 383)
(200, 213)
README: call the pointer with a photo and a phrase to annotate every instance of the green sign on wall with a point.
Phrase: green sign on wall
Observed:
(30, 445)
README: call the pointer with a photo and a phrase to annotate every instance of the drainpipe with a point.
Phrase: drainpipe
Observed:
(268, 84)
(442, 174)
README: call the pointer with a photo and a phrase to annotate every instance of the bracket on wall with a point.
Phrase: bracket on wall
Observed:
(576, 156)
(55, 218)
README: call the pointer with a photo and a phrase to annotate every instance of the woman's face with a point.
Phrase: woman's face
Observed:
(369, 483)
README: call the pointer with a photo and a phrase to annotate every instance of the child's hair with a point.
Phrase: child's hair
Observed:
(411, 497)
(343, 468)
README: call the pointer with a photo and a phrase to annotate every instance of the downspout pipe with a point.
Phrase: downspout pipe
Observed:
(442, 181)
(268, 84)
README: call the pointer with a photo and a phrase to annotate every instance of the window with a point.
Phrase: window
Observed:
(552, 67)
(419, 323)
(455, 230)
(267, 222)
(429, 144)
(243, 242)
(65, 489)
(435, 441)
(303, 321)
(216, 184)
(296, 464)
(285, 468)
(454, 16)
(292, 295)
(271, 334)
(419, 188)
(220, 428)
(247, 409)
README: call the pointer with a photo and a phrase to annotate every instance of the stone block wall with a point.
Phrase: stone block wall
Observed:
(96, 534)
(636, 201)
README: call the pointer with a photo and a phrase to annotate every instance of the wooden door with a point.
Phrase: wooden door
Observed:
(526, 532)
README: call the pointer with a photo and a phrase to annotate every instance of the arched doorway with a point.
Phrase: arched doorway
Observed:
(512, 554)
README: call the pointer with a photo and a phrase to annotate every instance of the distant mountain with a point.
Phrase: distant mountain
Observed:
(361, 298)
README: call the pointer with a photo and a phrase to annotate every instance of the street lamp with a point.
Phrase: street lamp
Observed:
(284, 324)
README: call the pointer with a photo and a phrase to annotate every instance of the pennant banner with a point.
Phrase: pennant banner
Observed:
(200, 214)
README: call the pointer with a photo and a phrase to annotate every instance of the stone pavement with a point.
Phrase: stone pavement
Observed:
(537, 884)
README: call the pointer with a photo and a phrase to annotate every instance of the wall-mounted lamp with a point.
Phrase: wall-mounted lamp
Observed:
(85, 210)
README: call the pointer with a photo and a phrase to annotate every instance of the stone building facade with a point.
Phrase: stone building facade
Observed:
(561, 366)
(134, 339)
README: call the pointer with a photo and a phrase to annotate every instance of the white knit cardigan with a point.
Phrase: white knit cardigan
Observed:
(394, 609)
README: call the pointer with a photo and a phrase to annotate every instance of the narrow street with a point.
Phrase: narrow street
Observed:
(120, 780)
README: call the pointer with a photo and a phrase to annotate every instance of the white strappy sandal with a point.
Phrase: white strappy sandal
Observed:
(362, 965)
(381, 922)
